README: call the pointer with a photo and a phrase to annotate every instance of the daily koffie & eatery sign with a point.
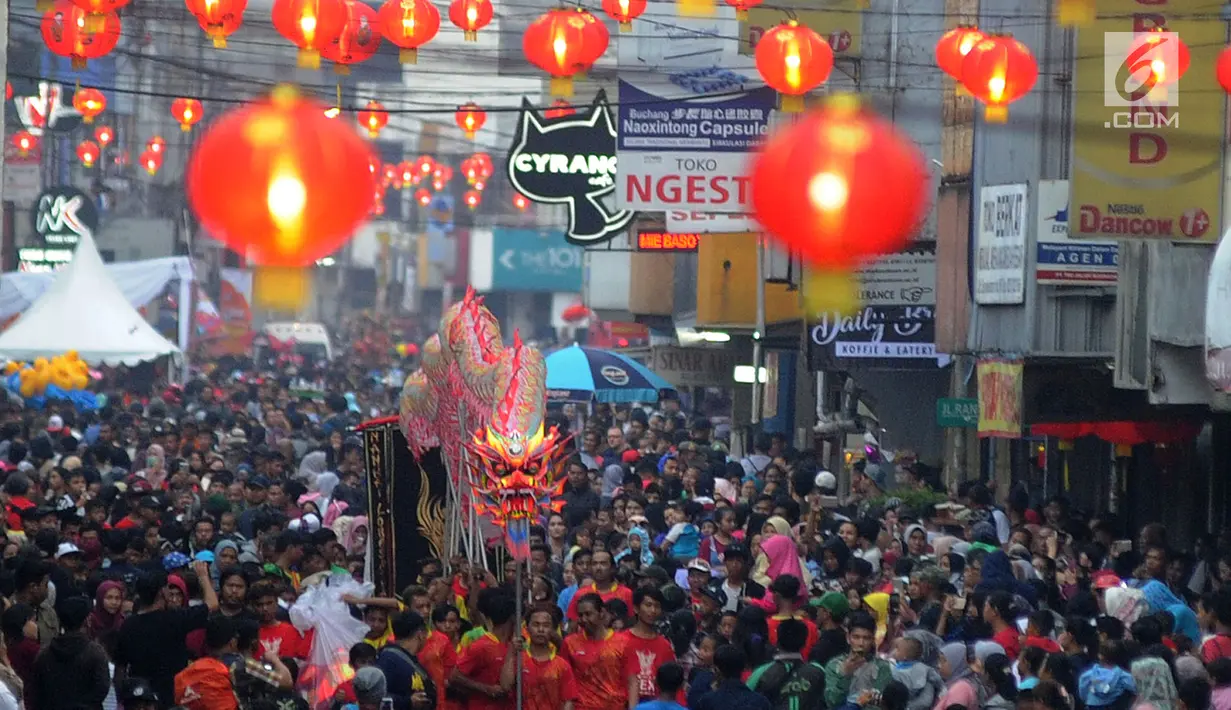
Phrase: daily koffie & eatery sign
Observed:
(571, 160)
(876, 336)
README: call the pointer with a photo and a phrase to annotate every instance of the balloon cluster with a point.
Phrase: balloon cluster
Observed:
(62, 377)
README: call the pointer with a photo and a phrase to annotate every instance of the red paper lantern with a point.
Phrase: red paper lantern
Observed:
(89, 102)
(156, 145)
(520, 202)
(390, 176)
(441, 177)
(218, 18)
(278, 181)
(409, 25)
(1222, 69)
(998, 71)
(424, 165)
(793, 60)
(1149, 52)
(406, 173)
(24, 142)
(472, 198)
(562, 42)
(104, 135)
(624, 11)
(67, 33)
(953, 47)
(470, 16)
(8, 90)
(819, 186)
(559, 109)
(374, 117)
(187, 112)
(97, 10)
(423, 196)
(575, 313)
(479, 185)
(309, 25)
(742, 7)
(470, 118)
(483, 162)
(87, 153)
(358, 41)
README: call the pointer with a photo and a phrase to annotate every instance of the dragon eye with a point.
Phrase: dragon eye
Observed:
(534, 468)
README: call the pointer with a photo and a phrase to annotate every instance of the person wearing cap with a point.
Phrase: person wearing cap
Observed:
(256, 492)
(370, 687)
(697, 575)
(831, 610)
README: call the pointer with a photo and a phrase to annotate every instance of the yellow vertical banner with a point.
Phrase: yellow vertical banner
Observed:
(1148, 148)
(1000, 399)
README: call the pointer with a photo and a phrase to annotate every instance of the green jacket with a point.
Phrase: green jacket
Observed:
(840, 689)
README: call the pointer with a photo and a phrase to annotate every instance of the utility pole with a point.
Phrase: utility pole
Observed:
(4, 70)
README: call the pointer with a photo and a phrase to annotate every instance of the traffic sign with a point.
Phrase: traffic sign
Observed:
(957, 413)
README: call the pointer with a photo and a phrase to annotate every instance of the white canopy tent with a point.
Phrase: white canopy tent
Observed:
(84, 310)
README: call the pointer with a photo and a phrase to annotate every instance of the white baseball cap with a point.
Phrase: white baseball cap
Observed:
(67, 548)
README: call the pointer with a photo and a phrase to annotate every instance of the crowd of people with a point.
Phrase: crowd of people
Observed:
(156, 551)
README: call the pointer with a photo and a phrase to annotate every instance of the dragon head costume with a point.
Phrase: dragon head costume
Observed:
(483, 403)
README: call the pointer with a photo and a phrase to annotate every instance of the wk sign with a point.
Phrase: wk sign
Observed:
(63, 215)
(571, 161)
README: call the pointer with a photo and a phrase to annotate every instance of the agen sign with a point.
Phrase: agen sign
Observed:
(63, 215)
(570, 161)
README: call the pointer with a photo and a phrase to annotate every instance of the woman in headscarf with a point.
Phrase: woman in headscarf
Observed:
(834, 556)
(1155, 682)
(357, 536)
(328, 508)
(104, 622)
(954, 564)
(1161, 598)
(962, 686)
(226, 556)
(915, 542)
(155, 470)
(877, 604)
(780, 555)
(313, 465)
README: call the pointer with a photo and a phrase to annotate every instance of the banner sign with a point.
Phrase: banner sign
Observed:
(709, 222)
(667, 241)
(570, 160)
(1062, 261)
(1147, 155)
(904, 278)
(1000, 399)
(63, 215)
(894, 334)
(687, 116)
(1000, 245)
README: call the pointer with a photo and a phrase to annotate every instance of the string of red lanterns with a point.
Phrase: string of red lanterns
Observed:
(25, 142)
(624, 12)
(997, 71)
(70, 31)
(104, 135)
(309, 25)
(87, 153)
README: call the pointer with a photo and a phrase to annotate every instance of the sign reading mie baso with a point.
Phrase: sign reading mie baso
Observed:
(1000, 246)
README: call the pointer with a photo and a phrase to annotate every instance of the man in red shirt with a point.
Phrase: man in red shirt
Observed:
(645, 650)
(280, 637)
(597, 656)
(998, 612)
(16, 488)
(547, 681)
(786, 591)
(439, 653)
(477, 674)
(602, 569)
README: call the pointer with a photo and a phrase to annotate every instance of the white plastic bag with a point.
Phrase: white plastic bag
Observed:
(321, 609)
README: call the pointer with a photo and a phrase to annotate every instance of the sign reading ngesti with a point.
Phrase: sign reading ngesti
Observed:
(667, 241)
(570, 160)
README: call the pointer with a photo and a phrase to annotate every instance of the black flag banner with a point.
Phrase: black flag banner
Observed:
(406, 505)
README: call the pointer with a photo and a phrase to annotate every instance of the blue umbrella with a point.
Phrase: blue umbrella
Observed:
(578, 374)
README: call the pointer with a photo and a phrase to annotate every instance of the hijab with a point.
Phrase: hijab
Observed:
(100, 621)
(647, 555)
(1154, 682)
(998, 576)
(841, 552)
(781, 556)
(215, 570)
(360, 522)
(1161, 598)
(957, 568)
(959, 669)
(878, 604)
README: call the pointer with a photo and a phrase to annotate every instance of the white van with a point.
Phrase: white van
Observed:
(311, 339)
